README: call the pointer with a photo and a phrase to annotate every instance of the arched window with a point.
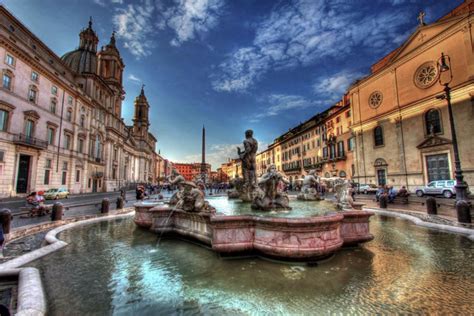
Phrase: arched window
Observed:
(342, 174)
(378, 136)
(432, 122)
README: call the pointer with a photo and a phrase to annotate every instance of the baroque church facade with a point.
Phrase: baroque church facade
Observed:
(60, 117)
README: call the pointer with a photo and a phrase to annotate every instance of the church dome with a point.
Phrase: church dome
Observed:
(84, 58)
(81, 61)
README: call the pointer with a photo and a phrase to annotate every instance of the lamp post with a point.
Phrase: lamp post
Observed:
(445, 77)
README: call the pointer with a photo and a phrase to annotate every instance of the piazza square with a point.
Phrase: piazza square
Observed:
(216, 157)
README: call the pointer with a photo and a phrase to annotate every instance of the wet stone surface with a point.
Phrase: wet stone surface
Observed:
(24, 245)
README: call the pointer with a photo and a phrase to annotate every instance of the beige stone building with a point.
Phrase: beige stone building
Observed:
(60, 118)
(324, 142)
(403, 133)
(232, 168)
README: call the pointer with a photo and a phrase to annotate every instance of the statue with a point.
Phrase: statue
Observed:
(177, 180)
(237, 188)
(309, 190)
(269, 196)
(249, 166)
(343, 189)
(191, 199)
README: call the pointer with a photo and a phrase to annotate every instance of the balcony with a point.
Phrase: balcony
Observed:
(290, 169)
(29, 141)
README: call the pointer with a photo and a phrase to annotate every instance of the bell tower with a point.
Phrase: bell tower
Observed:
(140, 118)
(110, 67)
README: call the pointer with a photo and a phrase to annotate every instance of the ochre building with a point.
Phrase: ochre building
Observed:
(401, 123)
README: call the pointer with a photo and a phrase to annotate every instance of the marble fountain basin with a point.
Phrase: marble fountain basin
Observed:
(305, 238)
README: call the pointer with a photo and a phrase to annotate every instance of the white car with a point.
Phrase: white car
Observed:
(439, 187)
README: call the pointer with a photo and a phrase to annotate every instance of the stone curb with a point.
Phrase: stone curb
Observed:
(55, 243)
(31, 298)
(420, 222)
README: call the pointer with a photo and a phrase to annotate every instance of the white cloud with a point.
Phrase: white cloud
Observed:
(277, 103)
(137, 23)
(134, 79)
(216, 155)
(305, 32)
(134, 27)
(334, 87)
(191, 18)
(104, 3)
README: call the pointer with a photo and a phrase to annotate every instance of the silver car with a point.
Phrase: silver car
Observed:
(439, 187)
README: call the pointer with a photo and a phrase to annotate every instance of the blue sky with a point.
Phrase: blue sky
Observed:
(232, 64)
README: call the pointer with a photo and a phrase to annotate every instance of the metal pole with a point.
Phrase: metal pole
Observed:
(460, 186)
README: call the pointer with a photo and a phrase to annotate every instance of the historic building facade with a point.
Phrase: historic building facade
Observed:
(324, 142)
(402, 127)
(60, 118)
(192, 171)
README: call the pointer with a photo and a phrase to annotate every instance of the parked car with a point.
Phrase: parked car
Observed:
(439, 187)
(54, 194)
(367, 188)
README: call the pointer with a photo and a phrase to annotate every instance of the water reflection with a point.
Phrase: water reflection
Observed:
(116, 268)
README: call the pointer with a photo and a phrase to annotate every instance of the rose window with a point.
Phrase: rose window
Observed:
(375, 99)
(426, 75)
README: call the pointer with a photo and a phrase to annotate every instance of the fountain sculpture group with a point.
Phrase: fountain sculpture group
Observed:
(306, 238)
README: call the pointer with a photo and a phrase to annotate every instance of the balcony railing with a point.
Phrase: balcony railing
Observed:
(25, 140)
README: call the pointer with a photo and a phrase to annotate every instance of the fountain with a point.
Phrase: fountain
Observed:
(308, 190)
(270, 227)
(269, 195)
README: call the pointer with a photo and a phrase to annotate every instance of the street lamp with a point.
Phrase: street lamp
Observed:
(445, 77)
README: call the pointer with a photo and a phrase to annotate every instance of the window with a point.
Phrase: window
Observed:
(29, 128)
(10, 60)
(432, 122)
(78, 175)
(69, 115)
(65, 165)
(80, 145)
(378, 136)
(114, 173)
(338, 119)
(52, 106)
(350, 144)
(64, 177)
(340, 149)
(48, 163)
(46, 176)
(69, 100)
(50, 136)
(54, 90)
(2, 156)
(348, 113)
(3, 120)
(342, 174)
(7, 81)
(325, 152)
(32, 93)
(67, 141)
(34, 76)
(375, 99)
(98, 147)
(83, 120)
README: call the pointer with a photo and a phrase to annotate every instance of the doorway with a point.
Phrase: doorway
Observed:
(23, 174)
(94, 185)
(381, 177)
